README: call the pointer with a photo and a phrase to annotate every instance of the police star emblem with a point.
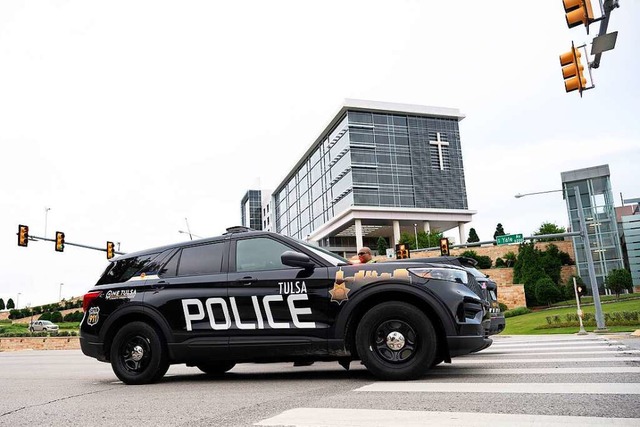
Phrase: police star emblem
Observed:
(340, 292)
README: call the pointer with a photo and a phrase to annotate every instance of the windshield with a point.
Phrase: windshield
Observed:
(334, 259)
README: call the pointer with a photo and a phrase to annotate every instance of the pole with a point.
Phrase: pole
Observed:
(188, 229)
(575, 289)
(60, 293)
(18, 301)
(46, 213)
(592, 273)
(415, 231)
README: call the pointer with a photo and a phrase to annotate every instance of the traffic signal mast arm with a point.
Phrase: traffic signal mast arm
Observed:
(74, 244)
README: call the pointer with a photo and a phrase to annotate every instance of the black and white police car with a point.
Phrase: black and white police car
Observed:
(255, 296)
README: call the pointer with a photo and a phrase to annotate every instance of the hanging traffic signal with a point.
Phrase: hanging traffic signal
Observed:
(23, 235)
(578, 12)
(59, 241)
(444, 246)
(573, 70)
(110, 250)
(402, 251)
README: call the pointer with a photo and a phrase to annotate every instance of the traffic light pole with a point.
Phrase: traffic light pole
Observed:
(74, 244)
(608, 6)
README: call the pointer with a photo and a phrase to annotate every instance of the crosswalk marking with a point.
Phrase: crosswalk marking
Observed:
(555, 345)
(534, 388)
(583, 350)
(482, 361)
(317, 417)
(602, 357)
(445, 370)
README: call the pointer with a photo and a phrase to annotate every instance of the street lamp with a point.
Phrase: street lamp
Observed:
(584, 233)
(46, 213)
(415, 231)
(18, 301)
(60, 293)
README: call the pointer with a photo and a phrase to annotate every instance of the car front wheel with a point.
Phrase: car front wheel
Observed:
(396, 341)
(138, 355)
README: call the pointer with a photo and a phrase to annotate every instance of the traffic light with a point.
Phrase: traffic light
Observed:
(573, 70)
(23, 235)
(578, 12)
(402, 251)
(444, 246)
(59, 241)
(110, 250)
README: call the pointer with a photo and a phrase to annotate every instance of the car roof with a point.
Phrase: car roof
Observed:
(231, 231)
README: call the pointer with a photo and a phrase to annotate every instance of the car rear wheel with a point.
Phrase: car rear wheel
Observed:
(396, 341)
(138, 355)
(216, 368)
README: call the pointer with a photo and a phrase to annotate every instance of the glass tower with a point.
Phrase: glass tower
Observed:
(251, 209)
(594, 187)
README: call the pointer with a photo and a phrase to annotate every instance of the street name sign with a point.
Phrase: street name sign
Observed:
(509, 239)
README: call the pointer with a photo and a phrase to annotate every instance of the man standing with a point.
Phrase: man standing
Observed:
(364, 255)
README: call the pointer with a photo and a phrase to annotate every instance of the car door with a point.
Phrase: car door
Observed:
(190, 293)
(278, 309)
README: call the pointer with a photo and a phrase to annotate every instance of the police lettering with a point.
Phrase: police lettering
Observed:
(292, 288)
(224, 323)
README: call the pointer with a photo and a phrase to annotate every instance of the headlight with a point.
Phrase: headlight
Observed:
(447, 274)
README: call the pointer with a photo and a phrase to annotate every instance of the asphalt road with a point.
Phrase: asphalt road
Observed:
(519, 380)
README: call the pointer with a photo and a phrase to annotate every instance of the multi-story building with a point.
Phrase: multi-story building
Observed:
(376, 170)
(251, 209)
(629, 225)
(594, 187)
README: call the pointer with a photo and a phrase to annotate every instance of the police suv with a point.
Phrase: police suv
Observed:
(255, 296)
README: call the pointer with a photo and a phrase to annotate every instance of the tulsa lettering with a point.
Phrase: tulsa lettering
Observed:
(223, 323)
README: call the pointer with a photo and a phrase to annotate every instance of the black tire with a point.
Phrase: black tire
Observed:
(216, 368)
(374, 341)
(138, 355)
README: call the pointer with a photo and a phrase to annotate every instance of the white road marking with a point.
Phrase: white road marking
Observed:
(557, 344)
(533, 388)
(322, 417)
(550, 353)
(446, 370)
(477, 361)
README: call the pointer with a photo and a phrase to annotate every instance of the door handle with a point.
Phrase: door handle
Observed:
(246, 280)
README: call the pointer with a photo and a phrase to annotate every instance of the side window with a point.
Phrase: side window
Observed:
(170, 269)
(259, 254)
(203, 259)
(124, 269)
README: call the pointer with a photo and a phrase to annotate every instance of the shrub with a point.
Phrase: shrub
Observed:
(500, 263)
(503, 307)
(509, 259)
(45, 316)
(516, 312)
(547, 291)
(484, 261)
(56, 317)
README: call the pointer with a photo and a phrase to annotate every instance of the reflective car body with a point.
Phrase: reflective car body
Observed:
(250, 296)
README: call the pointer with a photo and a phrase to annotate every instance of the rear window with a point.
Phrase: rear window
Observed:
(124, 269)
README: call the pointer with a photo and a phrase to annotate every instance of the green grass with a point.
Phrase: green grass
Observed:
(589, 300)
(526, 324)
(18, 328)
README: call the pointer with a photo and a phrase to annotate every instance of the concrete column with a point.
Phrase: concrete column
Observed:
(359, 242)
(463, 237)
(426, 225)
(396, 232)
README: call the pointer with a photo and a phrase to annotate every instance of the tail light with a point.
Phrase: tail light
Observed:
(88, 298)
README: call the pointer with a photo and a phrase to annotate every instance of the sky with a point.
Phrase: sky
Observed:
(128, 119)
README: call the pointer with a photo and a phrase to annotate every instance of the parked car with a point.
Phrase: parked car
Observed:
(255, 296)
(43, 326)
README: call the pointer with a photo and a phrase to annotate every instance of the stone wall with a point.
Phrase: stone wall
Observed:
(39, 343)
(512, 295)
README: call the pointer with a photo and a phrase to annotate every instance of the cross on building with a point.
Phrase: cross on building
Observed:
(439, 143)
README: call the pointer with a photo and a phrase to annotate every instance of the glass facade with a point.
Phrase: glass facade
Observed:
(251, 209)
(378, 159)
(599, 214)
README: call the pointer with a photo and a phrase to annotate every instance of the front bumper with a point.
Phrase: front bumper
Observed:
(459, 346)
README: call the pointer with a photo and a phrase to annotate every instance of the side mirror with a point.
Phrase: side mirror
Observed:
(297, 259)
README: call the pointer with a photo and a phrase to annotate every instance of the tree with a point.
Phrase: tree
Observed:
(619, 280)
(10, 304)
(547, 291)
(473, 236)
(2, 306)
(499, 231)
(430, 239)
(509, 259)
(382, 246)
(549, 228)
